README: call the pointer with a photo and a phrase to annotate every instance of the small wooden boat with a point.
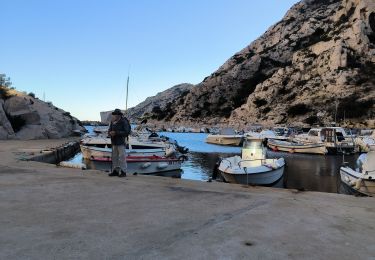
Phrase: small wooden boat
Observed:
(148, 164)
(226, 137)
(293, 147)
(362, 179)
(253, 167)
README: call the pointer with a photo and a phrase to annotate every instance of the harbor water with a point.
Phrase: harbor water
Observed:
(303, 171)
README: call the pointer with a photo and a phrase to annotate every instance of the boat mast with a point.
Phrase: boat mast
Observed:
(127, 91)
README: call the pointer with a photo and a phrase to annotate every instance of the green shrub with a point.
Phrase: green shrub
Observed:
(311, 120)
(266, 110)
(298, 109)
(353, 107)
(291, 97)
(259, 102)
(4, 93)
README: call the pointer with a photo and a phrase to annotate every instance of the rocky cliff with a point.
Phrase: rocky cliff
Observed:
(162, 101)
(316, 64)
(24, 117)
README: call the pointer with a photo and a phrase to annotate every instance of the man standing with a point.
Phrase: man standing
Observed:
(119, 130)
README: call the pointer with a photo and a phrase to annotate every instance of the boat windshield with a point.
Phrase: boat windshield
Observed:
(227, 131)
(253, 150)
(253, 144)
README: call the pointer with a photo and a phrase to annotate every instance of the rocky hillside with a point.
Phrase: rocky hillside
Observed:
(25, 117)
(160, 102)
(319, 59)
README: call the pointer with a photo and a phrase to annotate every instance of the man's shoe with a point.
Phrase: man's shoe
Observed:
(113, 173)
(122, 174)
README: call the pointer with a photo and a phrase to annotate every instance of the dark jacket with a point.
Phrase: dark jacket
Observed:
(121, 128)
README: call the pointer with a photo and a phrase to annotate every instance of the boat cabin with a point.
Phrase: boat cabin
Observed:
(334, 138)
(253, 152)
(329, 134)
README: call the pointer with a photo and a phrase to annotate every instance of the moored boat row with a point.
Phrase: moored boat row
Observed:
(324, 140)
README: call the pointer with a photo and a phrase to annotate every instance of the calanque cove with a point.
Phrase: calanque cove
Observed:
(271, 156)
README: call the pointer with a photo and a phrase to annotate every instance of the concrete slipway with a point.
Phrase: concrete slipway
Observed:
(58, 213)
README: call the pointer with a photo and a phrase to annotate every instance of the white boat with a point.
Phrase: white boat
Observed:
(362, 179)
(227, 136)
(334, 138)
(253, 167)
(100, 146)
(149, 164)
(363, 142)
(265, 135)
(296, 147)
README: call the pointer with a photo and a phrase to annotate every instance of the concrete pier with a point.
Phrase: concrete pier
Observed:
(49, 212)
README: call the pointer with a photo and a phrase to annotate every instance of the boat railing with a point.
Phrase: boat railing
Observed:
(230, 163)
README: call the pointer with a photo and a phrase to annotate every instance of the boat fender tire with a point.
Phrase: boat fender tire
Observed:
(162, 166)
(145, 165)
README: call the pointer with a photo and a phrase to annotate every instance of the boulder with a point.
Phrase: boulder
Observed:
(29, 132)
(24, 117)
(6, 130)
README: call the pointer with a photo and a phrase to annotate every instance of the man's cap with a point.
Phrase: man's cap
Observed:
(117, 112)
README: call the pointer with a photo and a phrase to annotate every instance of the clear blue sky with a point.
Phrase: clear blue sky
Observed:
(78, 51)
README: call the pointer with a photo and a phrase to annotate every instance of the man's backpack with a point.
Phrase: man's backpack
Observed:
(128, 128)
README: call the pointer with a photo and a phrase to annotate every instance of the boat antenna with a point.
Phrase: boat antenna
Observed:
(127, 91)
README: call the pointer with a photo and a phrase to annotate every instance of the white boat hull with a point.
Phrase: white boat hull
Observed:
(91, 152)
(303, 148)
(265, 178)
(356, 182)
(262, 174)
(234, 140)
(149, 164)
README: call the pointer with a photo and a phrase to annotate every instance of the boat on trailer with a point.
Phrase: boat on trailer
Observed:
(297, 147)
(362, 179)
(252, 167)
